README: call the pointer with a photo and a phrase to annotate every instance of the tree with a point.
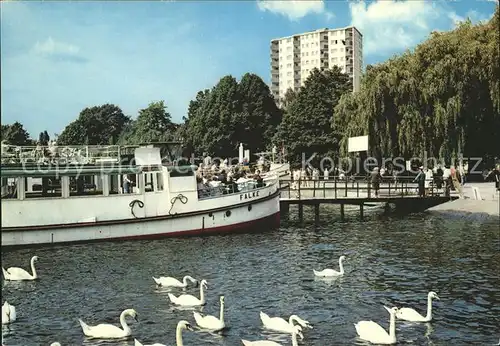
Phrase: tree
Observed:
(290, 95)
(442, 99)
(306, 123)
(43, 138)
(15, 134)
(232, 113)
(212, 129)
(96, 125)
(154, 124)
(260, 116)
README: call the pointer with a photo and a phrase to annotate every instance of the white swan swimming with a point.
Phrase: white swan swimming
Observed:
(273, 343)
(409, 314)
(189, 300)
(8, 313)
(178, 334)
(173, 282)
(18, 274)
(55, 344)
(281, 325)
(109, 331)
(211, 322)
(331, 272)
(374, 333)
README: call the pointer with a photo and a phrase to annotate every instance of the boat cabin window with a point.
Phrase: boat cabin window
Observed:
(36, 187)
(85, 185)
(129, 183)
(114, 184)
(153, 181)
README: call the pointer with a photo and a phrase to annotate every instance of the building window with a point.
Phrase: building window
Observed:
(334, 50)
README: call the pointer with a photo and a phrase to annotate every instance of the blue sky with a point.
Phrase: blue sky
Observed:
(60, 57)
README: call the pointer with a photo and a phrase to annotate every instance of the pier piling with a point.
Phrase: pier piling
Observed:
(342, 212)
(316, 213)
(361, 207)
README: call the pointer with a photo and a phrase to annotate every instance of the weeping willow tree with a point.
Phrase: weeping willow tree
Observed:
(441, 99)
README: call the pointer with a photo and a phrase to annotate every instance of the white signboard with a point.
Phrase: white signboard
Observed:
(147, 156)
(357, 144)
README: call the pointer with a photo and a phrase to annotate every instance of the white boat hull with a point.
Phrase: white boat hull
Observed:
(261, 213)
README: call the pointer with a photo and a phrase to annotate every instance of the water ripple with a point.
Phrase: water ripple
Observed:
(390, 261)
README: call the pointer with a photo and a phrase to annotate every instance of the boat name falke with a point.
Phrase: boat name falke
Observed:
(249, 195)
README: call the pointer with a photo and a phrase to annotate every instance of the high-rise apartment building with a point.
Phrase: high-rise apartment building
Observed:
(293, 57)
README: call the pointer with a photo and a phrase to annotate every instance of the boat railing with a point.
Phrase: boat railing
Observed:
(70, 154)
(223, 190)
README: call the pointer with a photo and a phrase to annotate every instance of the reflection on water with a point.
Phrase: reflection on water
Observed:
(392, 262)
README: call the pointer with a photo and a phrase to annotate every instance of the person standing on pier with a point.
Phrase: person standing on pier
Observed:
(421, 182)
(495, 173)
(375, 180)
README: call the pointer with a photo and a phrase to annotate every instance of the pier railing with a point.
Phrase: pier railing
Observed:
(336, 188)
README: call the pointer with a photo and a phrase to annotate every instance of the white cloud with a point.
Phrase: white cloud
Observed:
(52, 47)
(388, 26)
(294, 9)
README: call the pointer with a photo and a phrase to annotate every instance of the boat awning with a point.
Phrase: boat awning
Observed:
(27, 171)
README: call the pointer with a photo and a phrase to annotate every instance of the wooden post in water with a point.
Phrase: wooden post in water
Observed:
(316, 213)
(342, 213)
(361, 211)
(285, 208)
(301, 212)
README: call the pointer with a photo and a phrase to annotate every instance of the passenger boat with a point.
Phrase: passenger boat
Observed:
(80, 193)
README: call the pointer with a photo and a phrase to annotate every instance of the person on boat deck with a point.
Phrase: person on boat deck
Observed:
(222, 177)
(233, 186)
(375, 180)
(421, 182)
(258, 178)
(127, 184)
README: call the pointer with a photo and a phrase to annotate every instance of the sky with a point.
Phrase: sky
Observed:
(59, 57)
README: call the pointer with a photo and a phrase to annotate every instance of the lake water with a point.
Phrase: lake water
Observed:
(390, 261)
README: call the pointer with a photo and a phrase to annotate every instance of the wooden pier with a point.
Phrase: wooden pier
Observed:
(402, 195)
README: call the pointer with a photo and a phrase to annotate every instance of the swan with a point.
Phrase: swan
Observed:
(189, 300)
(374, 333)
(409, 314)
(331, 272)
(8, 313)
(109, 331)
(18, 274)
(211, 322)
(281, 325)
(55, 344)
(273, 343)
(173, 282)
(178, 334)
